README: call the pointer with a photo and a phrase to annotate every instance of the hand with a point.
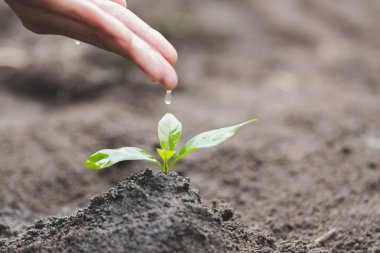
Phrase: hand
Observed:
(106, 24)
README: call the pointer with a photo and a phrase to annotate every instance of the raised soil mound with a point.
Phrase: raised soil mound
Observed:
(148, 213)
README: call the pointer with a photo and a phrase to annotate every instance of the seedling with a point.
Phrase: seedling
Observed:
(169, 134)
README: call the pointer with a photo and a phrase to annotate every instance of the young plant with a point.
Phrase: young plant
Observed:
(169, 134)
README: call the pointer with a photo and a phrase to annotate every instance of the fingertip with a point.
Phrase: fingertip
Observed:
(173, 56)
(170, 79)
(154, 64)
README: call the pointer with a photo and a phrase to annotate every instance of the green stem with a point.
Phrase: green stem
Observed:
(165, 170)
(165, 160)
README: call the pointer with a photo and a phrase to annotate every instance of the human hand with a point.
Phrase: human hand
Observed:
(106, 24)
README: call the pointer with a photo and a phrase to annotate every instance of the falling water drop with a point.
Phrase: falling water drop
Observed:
(77, 42)
(168, 97)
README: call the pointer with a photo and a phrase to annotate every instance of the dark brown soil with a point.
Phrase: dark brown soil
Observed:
(147, 213)
(309, 70)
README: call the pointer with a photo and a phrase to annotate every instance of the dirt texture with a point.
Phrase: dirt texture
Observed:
(147, 213)
(308, 171)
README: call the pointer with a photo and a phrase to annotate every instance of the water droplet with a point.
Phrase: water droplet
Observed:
(77, 42)
(168, 97)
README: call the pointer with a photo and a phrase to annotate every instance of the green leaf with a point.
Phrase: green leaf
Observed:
(165, 154)
(169, 131)
(107, 157)
(208, 139)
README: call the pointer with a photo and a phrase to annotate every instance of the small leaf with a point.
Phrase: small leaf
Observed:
(107, 157)
(165, 154)
(169, 131)
(208, 139)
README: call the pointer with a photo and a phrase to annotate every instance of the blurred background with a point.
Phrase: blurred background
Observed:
(308, 70)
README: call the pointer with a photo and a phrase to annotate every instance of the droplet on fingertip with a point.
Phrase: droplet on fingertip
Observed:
(77, 42)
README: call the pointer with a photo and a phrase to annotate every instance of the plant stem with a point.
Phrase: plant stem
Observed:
(165, 167)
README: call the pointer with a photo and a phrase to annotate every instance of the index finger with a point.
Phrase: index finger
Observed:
(88, 13)
(155, 39)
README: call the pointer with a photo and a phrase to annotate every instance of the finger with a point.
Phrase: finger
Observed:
(167, 77)
(152, 63)
(89, 14)
(121, 2)
(140, 28)
(43, 22)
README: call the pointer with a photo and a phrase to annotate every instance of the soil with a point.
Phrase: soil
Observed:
(146, 213)
(308, 171)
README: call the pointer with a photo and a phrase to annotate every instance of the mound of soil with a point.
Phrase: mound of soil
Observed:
(148, 213)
